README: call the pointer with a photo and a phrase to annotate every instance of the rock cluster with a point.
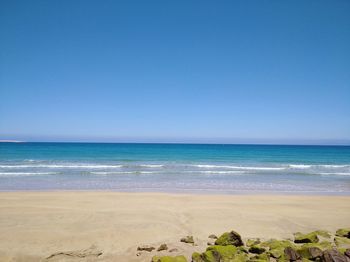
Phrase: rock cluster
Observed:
(229, 238)
(162, 247)
(146, 248)
(317, 246)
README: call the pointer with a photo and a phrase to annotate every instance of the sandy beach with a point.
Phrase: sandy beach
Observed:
(37, 225)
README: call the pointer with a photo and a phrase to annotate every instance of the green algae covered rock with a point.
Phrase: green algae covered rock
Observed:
(242, 249)
(224, 251)
(196, 257)
(333, 255)
(169, 259)
(273, 244)
(342, 250)
(323, 233)
(306, 238)
(342, 242)
(260, 258)
(276, 247)
(343, 232)
(239, 258)
(257, 249)
(311, 251)
(347, 252)
(324, 245)
(252, 241)
(229, 238)
(321, 245)
(291, 254)
(217, 253)
(277, 252)
(283, 258)
(207, 256)
(314, 250)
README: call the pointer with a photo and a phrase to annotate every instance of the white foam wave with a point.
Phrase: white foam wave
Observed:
(335, 166)
(151, 165)
(261, 168)
(216, 172)
(25, 173)
(299, 166)
(206, 166)
(62, 166)
(122, 172)
(272, 168)
(240, 167)
(334, 173)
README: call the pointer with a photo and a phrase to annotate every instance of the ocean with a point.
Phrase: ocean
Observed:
(185, 168)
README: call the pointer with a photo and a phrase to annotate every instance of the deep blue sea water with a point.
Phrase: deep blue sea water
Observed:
(189, 168)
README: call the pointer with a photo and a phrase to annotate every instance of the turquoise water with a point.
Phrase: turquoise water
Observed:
(175, 168)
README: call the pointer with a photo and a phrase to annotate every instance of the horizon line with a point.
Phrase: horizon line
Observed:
(183, 143)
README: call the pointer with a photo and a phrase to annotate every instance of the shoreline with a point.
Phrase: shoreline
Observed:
(189, 192)
(35, 225)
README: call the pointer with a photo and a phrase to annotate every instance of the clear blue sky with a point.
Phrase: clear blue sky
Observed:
(177, 71)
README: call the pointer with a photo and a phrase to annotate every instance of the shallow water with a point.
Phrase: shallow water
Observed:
(175, 168)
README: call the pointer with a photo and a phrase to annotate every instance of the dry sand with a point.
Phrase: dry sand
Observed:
(35, 225)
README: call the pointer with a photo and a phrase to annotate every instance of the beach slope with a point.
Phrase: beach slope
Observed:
(109, 226)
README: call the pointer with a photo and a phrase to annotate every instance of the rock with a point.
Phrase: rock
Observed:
(347, 253)
(242, 249)
(333, 255)
(196, 257)
(276, 247)
(146, 248)
(272, 259)
(256, 249)
(342, 242)
(310, 252)
(291, 255)
(173, 250)
(187, 239)
(315, 252)
(343, 232)
(341, 250)
(252, 241)
(306, 238)
(217, 253)
(323, 245)
(273, 244)
(229, 238)
(242, 257)
(323, 233)
(169, 259)
(212, 236)
(210, 243)
(138, 254)
(222, 252)
(162, 247)
(260, 258)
